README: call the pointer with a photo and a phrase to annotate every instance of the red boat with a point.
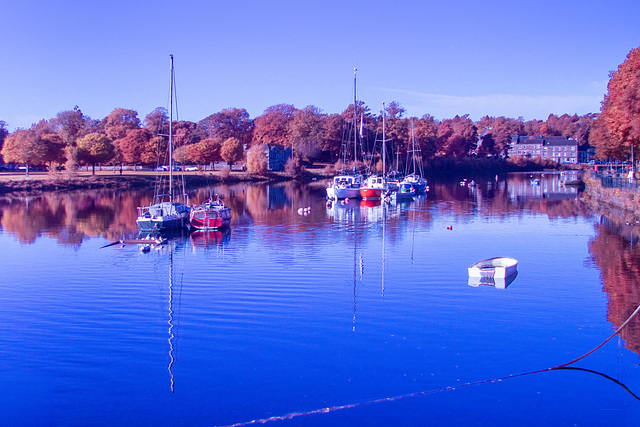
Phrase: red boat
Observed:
(210, 215)
(373, 188)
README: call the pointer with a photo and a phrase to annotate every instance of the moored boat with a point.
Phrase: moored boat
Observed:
(167, 211)
(373, 188)
(414, 165)
(498, 267)
(347, 184)
(344, 187)
(404, 191)
(212, 214)
(162, 215)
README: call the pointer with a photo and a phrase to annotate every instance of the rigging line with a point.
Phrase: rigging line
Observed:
(448, 388)
(571, 368)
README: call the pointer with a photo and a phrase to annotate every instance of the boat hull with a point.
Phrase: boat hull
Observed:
(208, 220)
(163, 216)
(210, 215)
(498, 268)
(370, 193)
(343, 193)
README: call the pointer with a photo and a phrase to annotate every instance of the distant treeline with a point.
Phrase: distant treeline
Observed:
(73, 138)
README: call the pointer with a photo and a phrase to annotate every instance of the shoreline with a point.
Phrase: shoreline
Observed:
(43, 182)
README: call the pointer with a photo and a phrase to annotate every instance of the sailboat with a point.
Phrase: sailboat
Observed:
(375, 186)
(168, 211)
(414, 162)
(347, 185)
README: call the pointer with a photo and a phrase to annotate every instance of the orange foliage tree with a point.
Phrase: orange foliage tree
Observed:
(95, 148)
(272, 127)
(231, 150)
(24, 146)
(617, 127)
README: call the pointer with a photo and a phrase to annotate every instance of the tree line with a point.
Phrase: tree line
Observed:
(72, 138)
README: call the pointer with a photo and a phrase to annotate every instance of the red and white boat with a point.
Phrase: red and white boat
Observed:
(210, 215)
(373, 188)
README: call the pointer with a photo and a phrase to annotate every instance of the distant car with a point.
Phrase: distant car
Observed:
(191, 168)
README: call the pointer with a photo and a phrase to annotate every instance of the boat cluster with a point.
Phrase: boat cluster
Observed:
(166, 214)
(375, 187)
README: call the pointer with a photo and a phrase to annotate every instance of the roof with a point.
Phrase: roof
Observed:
(544, 140)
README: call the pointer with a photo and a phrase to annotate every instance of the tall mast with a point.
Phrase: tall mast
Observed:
(413, 147)
(384, 143)
(355, 124)
(171, 130)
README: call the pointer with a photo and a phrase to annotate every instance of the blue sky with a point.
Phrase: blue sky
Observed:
(443, 58)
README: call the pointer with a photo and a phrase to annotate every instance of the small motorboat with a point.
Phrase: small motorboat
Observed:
(497, 268)
(210, 215)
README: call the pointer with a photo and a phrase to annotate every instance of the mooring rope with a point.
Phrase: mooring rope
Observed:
(448, 388)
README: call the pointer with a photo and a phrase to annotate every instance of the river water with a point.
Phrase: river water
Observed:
(350, 314)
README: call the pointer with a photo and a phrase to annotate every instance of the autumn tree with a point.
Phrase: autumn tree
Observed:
(496, 132)
(228, 123)
(157, 121)
(366, 125)
(457, 136)
(398, 128)
(272, 127)
(119, 122)
(426, 133)
(70, 125)
(54, 149)
(257, 162)
(231, 150)
(133, 144)
(3, 134)
(95, 148)
(306, 132)
(203, 152)
(334, 128)
(185, 133)
(619, 121)
(25, 147)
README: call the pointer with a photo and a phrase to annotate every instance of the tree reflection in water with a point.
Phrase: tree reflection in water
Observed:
(618, 260)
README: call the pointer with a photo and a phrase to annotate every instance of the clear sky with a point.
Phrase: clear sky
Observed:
(495, 57)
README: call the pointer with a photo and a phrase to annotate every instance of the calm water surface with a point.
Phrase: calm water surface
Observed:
(289, 313)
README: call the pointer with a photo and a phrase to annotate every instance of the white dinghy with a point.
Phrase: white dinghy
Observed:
(497, 268)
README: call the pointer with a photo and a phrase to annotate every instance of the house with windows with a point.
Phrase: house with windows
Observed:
(557, 148)
(277, 156)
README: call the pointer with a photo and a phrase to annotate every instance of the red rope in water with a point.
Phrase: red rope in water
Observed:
(422, 393)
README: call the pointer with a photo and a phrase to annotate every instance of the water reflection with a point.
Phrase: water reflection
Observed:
(71, 217)
(618, 260)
